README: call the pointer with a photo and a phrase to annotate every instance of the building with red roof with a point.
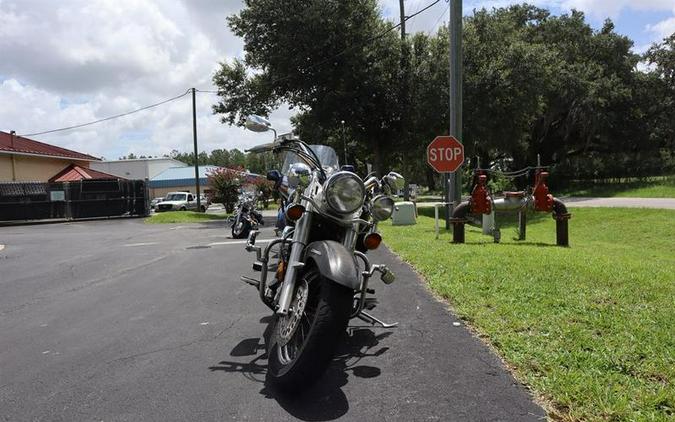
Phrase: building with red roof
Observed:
(24, 159)
(74, 173)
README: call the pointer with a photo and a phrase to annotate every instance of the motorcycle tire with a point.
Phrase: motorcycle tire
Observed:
(240, 229)
(314, 342)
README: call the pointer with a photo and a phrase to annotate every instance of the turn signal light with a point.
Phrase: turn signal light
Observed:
(281, 271)
(294, 212)
(372, 241)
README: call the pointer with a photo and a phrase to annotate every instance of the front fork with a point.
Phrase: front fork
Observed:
(298, 244)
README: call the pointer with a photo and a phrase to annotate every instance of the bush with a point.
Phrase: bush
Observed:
(264, 189)
(226, 183)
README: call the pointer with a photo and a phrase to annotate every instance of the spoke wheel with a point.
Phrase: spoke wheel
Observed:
(304, 341)
(241, 229)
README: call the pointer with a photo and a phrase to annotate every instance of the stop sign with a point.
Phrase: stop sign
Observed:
(445, 154)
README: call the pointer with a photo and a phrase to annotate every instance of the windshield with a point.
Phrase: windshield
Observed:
(176, 197)
(326, 154)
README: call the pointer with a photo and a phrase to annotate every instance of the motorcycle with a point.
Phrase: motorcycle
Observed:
(245, 217)
(319, 269)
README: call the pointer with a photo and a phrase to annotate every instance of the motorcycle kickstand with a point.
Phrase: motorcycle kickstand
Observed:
(366, 317)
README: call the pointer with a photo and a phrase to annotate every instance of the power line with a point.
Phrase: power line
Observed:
(437, 20)
(422, 10)
(107, 118)
(416, 5)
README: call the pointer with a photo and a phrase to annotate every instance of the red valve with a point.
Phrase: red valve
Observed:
(543, 201)
(480, 198)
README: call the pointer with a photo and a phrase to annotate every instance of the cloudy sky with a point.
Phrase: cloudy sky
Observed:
(68, 62)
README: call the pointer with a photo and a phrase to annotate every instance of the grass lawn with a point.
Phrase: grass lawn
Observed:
(183, 217)
(591, 328)
(660, 188)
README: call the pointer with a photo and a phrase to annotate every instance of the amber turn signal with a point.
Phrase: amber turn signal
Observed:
(294, 212)
(372, 241)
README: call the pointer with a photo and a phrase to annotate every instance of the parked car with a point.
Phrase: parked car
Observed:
(155, 201)
(180, 201)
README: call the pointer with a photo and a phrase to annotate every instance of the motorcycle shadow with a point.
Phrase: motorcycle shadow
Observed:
(324, 400)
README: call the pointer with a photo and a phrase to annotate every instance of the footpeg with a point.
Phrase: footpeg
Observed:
(249, 280)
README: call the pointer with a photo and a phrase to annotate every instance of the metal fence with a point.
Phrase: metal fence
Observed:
(73, 200)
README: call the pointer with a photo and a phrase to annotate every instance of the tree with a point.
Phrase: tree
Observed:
(334, 60)
(220, 157)
(226, 183)
(535, 84)
(264, 189)
(662, 56)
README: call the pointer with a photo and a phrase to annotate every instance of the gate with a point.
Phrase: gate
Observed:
(73, 200)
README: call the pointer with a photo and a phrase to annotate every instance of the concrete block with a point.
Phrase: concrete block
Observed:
(404, 214)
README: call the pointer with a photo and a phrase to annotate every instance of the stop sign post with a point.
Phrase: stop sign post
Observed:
(445, 154)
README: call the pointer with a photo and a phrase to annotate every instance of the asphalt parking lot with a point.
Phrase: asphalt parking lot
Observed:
(123, 321)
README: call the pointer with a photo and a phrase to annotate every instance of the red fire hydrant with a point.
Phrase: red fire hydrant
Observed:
(480, 197)
(543, 201)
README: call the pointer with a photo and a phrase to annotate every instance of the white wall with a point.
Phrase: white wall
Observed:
(136, 169)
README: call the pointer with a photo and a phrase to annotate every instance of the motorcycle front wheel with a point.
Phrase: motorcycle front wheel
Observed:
(303, 344)
(241, 228)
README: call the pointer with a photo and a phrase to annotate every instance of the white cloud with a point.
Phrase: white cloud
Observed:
(663, 29)
(611, 8)
(81, 60)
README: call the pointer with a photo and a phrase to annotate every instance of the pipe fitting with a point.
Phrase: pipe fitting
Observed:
(458, 221)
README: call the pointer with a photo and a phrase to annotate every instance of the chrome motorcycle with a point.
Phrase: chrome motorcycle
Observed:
(318, 266)
(245, 217)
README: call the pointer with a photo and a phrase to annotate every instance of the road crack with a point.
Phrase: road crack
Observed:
(178, 346)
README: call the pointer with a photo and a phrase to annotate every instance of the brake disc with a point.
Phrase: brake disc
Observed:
(288, 324)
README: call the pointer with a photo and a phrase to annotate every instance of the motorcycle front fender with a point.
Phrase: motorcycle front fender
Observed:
(335, 262)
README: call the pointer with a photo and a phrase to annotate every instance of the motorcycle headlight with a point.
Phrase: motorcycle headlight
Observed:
(344, 192)
(382, 207)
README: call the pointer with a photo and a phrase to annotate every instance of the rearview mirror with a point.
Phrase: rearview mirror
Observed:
(274, 175)
(257, 124)
(394, 181)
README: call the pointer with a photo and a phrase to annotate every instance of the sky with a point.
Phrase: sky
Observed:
(74, 61)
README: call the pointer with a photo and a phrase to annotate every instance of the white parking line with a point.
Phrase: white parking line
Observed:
(238, 242)
(141, 244)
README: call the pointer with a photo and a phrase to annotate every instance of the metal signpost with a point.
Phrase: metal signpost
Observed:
(445, 154)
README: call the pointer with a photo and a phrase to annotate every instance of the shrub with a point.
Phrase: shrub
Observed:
(226, 183)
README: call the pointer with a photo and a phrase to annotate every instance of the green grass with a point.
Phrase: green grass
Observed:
(660, 188)
(591, 328)
(183, 217)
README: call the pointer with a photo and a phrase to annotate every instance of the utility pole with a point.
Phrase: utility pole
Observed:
(344, 140)
(12, 135)
(453, 181)
(194, 138)
(404, 85)
(402, 6)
